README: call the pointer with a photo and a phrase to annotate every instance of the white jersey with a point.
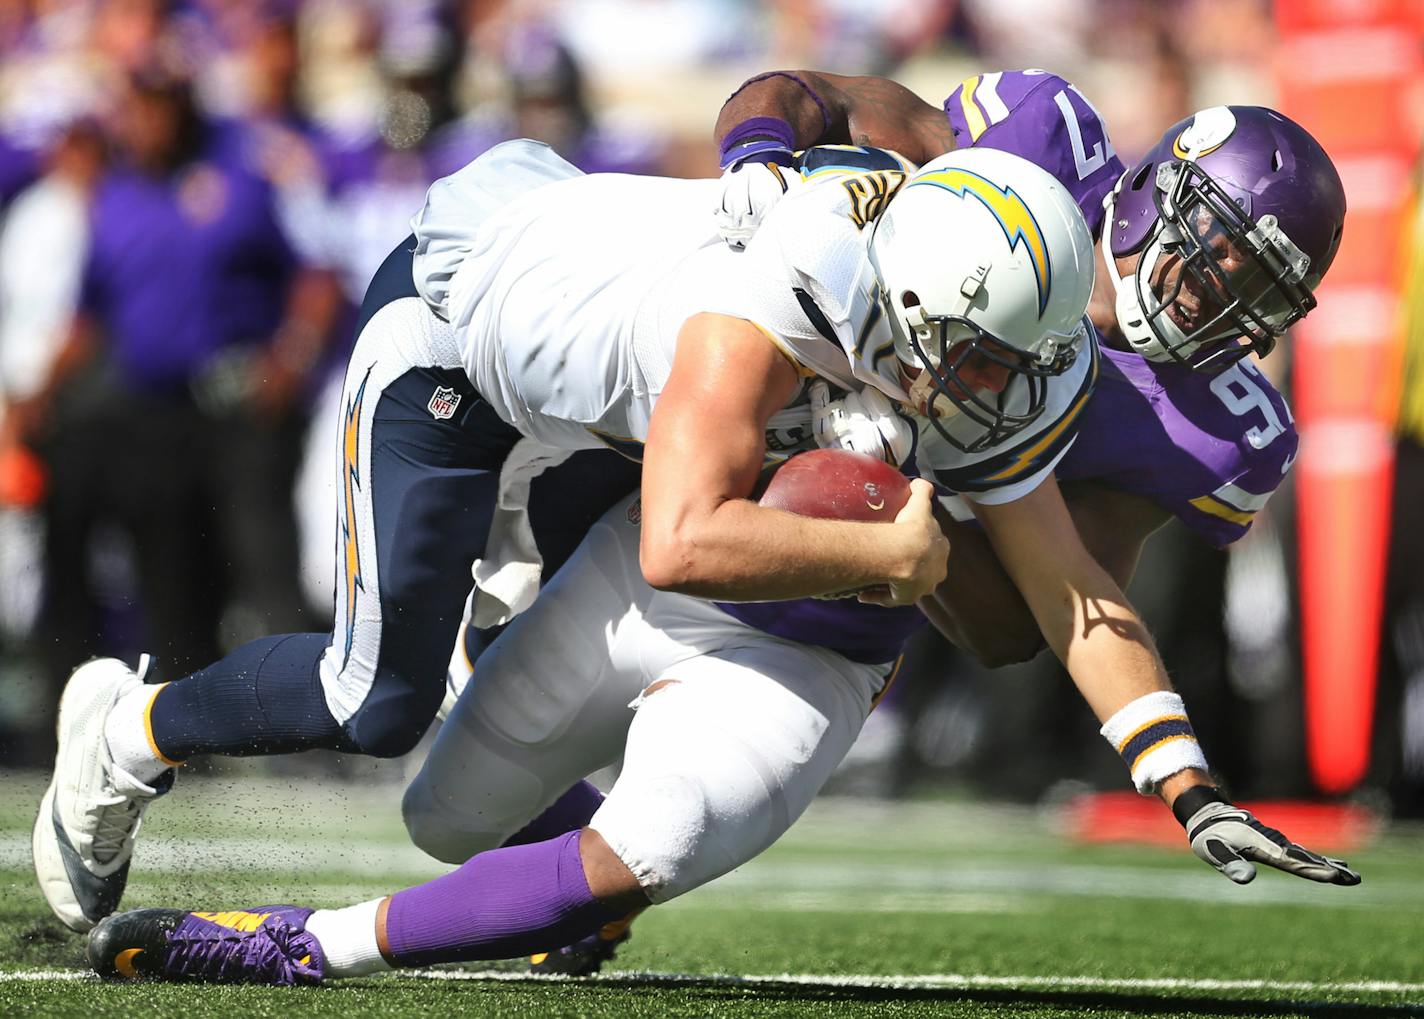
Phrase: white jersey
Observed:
(567, 293)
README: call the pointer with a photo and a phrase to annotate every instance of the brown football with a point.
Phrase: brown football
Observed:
(837, 484)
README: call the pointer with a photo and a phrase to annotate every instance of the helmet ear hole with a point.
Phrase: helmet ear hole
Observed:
(909, 299)
(1277, 160)
(1142, 175)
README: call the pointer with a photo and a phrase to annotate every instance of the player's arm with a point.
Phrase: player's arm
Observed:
(1110, 655)
(1080, 609)
(701, 532)
(819, 108)
(979, 608)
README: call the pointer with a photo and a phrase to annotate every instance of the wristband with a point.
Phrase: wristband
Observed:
(758, 140)
(1154, 738)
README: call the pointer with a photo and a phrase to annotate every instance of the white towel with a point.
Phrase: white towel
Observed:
(507, 578)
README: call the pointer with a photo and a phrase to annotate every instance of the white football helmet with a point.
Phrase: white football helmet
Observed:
(985, 266)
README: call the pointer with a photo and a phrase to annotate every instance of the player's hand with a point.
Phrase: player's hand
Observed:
(931, 558)
(1232, 840)
(866, 422)
(749, 191)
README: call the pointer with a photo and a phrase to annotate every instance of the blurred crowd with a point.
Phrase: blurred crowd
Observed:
(195, 193)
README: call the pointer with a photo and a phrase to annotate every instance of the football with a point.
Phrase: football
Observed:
(837, 484)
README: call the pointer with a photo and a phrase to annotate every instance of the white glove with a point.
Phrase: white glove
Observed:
(1231, 840)
(749, 191)
(866, 422)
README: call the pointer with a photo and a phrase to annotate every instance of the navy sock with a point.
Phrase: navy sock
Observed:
(263, 698)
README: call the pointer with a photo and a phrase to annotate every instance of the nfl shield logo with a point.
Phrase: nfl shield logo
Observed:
(442, 405)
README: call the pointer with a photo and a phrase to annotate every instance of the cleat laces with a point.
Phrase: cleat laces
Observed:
(116, 818)
(260, 956)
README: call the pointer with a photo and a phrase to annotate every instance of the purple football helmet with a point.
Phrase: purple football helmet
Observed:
(1236, 214)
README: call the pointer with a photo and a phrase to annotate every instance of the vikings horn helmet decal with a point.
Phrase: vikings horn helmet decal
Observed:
(1233, 219)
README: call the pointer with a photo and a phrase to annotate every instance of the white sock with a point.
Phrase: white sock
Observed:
(126, 730)
(348, 939)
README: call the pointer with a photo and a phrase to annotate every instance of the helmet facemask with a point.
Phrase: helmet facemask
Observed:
(1212, 284)
(944, 359)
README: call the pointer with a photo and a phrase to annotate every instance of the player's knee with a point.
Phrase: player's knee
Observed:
(662, 836)
(427, 830)
(393, 717)
(439, 831)
(380, 737)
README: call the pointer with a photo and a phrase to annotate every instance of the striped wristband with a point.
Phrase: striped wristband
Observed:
(1155, 739)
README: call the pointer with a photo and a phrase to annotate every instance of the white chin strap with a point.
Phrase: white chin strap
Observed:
(920, 392)
(1131, 304)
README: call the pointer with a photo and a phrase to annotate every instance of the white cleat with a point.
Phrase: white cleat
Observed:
(91, 812)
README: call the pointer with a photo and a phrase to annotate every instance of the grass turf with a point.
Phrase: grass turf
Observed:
(864, 909)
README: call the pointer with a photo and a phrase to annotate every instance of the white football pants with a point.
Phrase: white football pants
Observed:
(716, 765)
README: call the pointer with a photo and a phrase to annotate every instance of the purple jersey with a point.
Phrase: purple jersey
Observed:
(1209, 449)
(1042, 118)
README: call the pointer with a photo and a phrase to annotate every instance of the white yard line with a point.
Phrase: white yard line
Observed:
(946, 981)
(29, 976)
(926, 981)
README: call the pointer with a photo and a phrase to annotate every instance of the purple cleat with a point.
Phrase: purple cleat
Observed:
(267, 945)
(586, 956)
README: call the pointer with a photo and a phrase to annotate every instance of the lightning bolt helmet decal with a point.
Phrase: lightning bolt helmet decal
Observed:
(1012, 213)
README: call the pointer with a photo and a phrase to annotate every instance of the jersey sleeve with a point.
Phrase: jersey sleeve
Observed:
(1047, 121)
(1209, 450)
(1265, 447)
(805, 278)
(1224, 514)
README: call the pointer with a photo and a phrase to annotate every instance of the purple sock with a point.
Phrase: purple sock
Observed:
(498, 905)
(572, 810)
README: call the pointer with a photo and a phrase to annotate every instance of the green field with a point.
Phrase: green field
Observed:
(865, 909)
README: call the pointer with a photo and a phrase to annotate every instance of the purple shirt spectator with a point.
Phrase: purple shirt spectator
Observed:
(184, 265)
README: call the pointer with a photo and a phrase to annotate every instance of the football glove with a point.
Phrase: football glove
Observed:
(866, 422)
(1232, 840)
(749, 191)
